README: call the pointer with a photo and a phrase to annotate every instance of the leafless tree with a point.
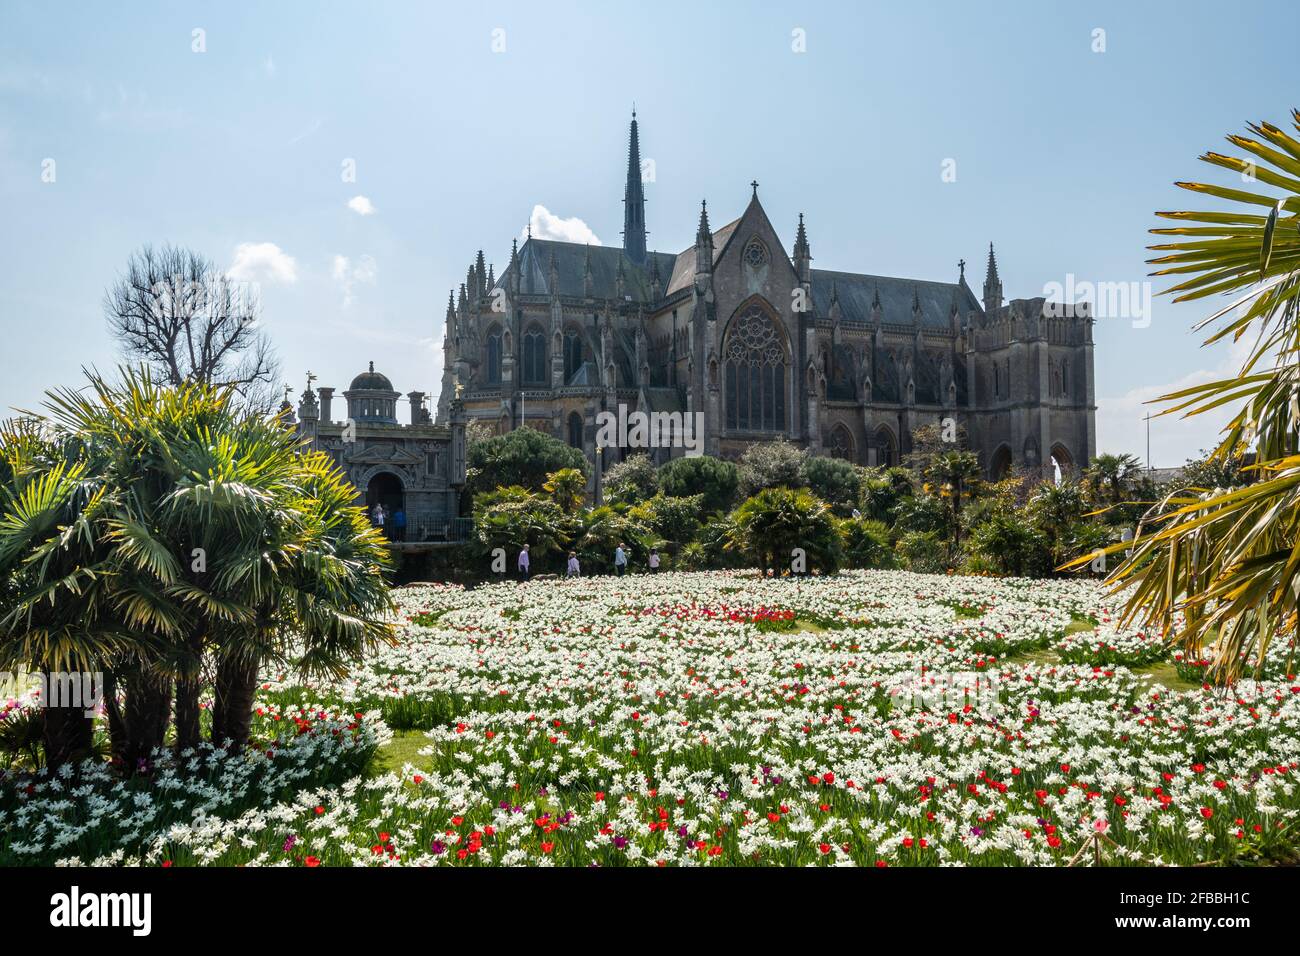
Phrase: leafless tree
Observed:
(188, 321)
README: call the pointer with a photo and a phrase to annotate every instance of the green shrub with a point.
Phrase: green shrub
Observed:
(835, 481)
(922, 551)
(866, 543)
(712, 478)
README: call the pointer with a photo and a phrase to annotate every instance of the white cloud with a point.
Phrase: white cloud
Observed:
(547, 225)
(348, 275)
(1120, 419)
(263, 262)
(361, 206)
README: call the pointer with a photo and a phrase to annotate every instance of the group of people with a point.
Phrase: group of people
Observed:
(395, 529)
(573, 569)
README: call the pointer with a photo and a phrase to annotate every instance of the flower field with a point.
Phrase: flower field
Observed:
(870, 719)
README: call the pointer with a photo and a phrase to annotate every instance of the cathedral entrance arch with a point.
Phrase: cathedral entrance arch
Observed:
(385, 488)
(1000, 466)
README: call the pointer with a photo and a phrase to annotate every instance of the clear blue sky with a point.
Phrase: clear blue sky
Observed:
(1061, 154)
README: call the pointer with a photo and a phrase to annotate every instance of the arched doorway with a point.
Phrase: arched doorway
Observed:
(385, 489)
(886, 448)
(1001, 463)
(1064, 459)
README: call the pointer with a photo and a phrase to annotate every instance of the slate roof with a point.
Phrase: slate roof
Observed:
(664, 400)
(857, 292)
(571, 264)
(683, 273)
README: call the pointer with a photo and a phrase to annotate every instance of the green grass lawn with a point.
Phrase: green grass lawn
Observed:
(403, 748)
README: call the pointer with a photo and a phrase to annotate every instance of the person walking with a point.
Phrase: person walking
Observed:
(523, 563)
(399, 525)
(654, 560)
(379, 515)
(574, 570)
(620, 560)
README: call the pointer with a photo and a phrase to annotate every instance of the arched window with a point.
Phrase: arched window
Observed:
(841, 377)
(886, 448)
(841, 443)
(755, 377)
(494, 357)
(534, 356)
(575, 430)
(572, 354)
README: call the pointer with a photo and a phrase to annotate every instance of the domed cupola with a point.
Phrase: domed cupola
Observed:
(371, 398)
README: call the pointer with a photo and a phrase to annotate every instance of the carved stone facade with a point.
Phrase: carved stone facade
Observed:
(763, 346)
(417, 468)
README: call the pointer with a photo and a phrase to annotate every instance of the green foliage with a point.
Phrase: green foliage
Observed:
(882, 491)
(511, 517)
(567, 488)
(1007, 543)
(674, 520)
(773, 523)
(866, 543)
(631, 481)
(600, 530)
(158, 527)
(835, 481)
(1057, 511)
(1227, 561)
(714, 479)
(922, 513)
(1210, 471)
(524, 457)
(922, 551)
(771, 464)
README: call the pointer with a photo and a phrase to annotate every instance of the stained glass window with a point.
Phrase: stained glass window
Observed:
(755, 373)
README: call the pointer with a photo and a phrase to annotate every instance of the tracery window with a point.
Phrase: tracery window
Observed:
(755, 253)
(534, 356)
(494, 357)
(572, 354)
(755, 370)
(575, 430)
(841, 443)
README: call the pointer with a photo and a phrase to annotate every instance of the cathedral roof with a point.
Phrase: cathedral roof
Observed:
(571, 260)
(857, 293)
(683, 272)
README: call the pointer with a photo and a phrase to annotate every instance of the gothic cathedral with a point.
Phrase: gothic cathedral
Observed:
(763, 346)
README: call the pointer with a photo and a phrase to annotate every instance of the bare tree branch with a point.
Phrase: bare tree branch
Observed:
(188, 321)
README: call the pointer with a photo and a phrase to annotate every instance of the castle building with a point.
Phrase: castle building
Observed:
(760, 345)
(416, 468)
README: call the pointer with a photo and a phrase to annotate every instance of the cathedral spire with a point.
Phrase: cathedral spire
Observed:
(704, 241)
(634, 201)
(992, 285)
(802, 254)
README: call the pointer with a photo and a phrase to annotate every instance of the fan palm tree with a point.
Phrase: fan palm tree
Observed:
(54, 576)
(1110, 477)
(1230, 560)
(567, 487)
(227, 542)
(771, 525)
(956, 474)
